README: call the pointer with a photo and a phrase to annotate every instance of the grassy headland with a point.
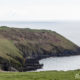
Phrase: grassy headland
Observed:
(20, 45)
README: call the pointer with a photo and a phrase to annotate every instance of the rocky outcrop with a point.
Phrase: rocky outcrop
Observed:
(32, 64)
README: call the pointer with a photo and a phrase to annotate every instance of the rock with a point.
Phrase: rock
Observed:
(13, 69)
(32, 64)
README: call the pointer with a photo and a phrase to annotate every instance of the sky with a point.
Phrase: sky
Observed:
(39, 10)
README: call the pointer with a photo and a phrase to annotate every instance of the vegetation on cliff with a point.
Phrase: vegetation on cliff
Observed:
(19, 45)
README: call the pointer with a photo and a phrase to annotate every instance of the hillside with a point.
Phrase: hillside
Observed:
(21, 48)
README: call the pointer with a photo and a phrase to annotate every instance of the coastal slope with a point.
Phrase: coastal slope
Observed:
(21, 48)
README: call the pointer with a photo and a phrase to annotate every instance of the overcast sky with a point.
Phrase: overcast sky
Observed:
(39, 10)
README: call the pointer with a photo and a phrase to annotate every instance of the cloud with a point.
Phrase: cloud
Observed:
(38, 10)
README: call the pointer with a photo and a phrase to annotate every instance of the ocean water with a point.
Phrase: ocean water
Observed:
(60, 63)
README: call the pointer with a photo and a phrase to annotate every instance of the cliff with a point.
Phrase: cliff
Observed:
(21, 47)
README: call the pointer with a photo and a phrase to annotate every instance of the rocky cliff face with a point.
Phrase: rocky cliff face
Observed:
(19, 47)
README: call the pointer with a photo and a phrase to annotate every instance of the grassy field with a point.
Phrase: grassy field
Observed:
(48, 75)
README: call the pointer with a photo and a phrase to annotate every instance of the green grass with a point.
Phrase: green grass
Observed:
(48, 75)
(7, 47)
(8, 51)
